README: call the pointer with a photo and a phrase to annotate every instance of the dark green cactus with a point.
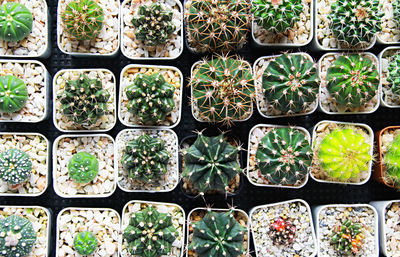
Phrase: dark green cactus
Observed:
(85, 243)
(150, 233)
(83, 167)
(150, 97)
(13, 94)
(17, 236)
(146, 158)
(347, 238)
(284, 156)
(15, 21)
(394, 73)
(15, 166)
(392, 162)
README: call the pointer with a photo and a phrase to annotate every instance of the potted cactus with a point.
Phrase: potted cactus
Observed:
(88, 231)
(389, 60)
(349, 83)
(162, 39)
(88, 28)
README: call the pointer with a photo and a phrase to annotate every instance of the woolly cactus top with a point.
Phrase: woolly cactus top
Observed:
(15, 21)
(15, 166)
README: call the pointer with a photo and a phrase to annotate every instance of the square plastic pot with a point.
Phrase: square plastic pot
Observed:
(382, 56)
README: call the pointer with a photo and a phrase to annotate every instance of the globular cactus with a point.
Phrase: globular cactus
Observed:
(15, 166)
(150, 97)
(290, 83)
(282, 231)
(347, 238)
(223, 89)
(15, 21)
(83, 167)
(284, 156)
(84, 100)
(218, 234)
(85, 243)
(150, 233)
(217, 25)
(394, 73)
(153, 24)
(392, 162)
(17, 236)
(13, 94)
(353, 80)
(146, 158)
(396, 12)
(83, 19)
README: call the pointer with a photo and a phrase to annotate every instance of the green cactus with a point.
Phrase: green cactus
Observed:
(85, 243)
(83, 19)
(396, 12)
(284, 156)
(15, 21)
(13, 94)
(17, 236)
(291, 83)
(83, 167)
(15, 166)
(84, 100)
(347, 238)
(353, 80)
(392, 162)
(343, 154)
(150, 233)
(150, 97)
(394, 73)
(146, 158)
(217, 26)
(218, 234)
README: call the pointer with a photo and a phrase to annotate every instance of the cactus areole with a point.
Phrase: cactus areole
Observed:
(15, 166)
(15, 21)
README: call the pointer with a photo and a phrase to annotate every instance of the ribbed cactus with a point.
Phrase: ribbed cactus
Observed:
(394, 73)
(290, 83)
(347, 238)
(85, 243)
(218, 234)
(223, 89)
(13, 94)
(146, 158)
(83, 19)
(150, 97)
(284, 156)
(15, 21)
(17, 236)
(392, 162)
(217, 25)
(150, 233)
(353, 80)
(15, 166)
(282, 231)
(396, 12)
(83, 167)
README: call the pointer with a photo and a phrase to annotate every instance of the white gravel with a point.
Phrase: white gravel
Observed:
(392, 229)
(390, 31)
(388, 98)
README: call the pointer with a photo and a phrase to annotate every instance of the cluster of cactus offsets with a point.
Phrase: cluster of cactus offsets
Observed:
(85, 243)
(15, 21)
(146, 158)
(284, 156)
(150, 97)
(15, 166)
(17, 236)
(290, 83)
(343, 154)
(150, 233)
(13, 94)
(83, 167)
(153, 24)
(84, 100)
(353, 80)
(347, 238)
(223, 89)
(394, 73)
(392, 162)
(282, 231)
(217, 25)
(83, 19)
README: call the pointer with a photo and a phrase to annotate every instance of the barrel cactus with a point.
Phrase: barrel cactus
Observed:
(394, 74)
(15, 166)
(15, 21)
(282, 231)
(347, 238)
(391, 161)
(85, 243)
(83, 167)
(13, 94)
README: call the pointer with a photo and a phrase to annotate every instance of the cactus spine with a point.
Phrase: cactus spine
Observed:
(394, 73)
(85, 243)
(13, 94)
(15, 21)
(83, 167)
(282, 231)
(392, 162)
(347, 238)
(15, 166)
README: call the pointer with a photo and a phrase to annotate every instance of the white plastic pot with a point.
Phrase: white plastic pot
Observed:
(381, 57)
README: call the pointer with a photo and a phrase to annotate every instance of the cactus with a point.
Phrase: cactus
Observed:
(13, 94)
(15, 21)
(353, 80)
(85, 243)
(15, 166)
(223, 89)
(290, 83)
(396, 12)
(218, 234)
(83, 167)
(146, 158)
(84, 100)
(392, 162)
(217, 25)
(284, 156)
(17, 236)
(150, 233)
(343, 154)
(282, 231)
(150, 97)
(394, 73)
(347, 238)
(153, 24)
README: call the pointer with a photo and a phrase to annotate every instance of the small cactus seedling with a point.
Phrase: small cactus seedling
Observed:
(17, 236)
(394, 73)
(15, 166)
(13, 94)
(83, 167)
(146, 158)
(15, 21)
(282, 231)
(347, 238)
(150, 233)
(83, 19)
(396, 12)
(85, 243)
(392, 162)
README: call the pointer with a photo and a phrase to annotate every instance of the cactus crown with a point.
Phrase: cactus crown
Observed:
(17, 236)
(291, 83)
(83, 19)
(284, 156)
(15, 21)
(153, 24)
(150, 233)
(15, 166)
(347, 238)
(83, 167)
(13, 94)
(353, 80)
(392, 162)
(217, 25)
(146, 158)
(151, 98)
(282, 231)
(394, 72)
(85, 243)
